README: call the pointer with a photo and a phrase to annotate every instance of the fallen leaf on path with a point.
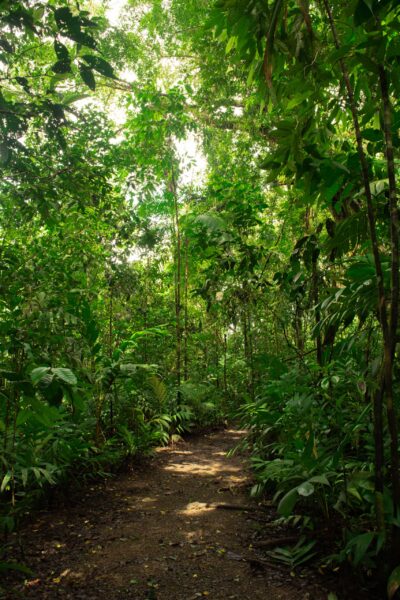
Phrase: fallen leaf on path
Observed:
(32, 583)
(65, 573)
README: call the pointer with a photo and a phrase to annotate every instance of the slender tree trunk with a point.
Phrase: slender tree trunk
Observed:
(299, 328)
(394, 300)
(225, 364)
(110, 349)
(245, 335)
(248, 353)
(7, 419)
(178, 266)
(276, 339)
(216, 358)
(145, 312)
(16, 406)
(145, 325)
(315, 296)
(251, 354)
(186, 315)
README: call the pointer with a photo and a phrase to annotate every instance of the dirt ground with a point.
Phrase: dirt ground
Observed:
(156, 533)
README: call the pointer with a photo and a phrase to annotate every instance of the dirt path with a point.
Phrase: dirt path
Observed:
(154, 534)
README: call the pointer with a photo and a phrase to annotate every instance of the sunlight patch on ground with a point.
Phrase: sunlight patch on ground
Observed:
(236, 432)
(195, 508)
(210, 468)
(168, 450)
(148, 500)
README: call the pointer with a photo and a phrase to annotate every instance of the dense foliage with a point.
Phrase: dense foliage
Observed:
(198, 220)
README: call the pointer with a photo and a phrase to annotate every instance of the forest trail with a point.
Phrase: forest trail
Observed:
(156, 534)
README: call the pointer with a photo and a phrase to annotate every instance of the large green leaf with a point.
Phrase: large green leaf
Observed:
(61, 50)
(62, 66)
(65, 375)
(38, 374)
(99, 64)
(87, 76)
(361, 543)
(288, 502)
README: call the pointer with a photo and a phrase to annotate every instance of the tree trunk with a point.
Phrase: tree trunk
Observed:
(225, 365)
(394, 300)
(110, 350)
(251, 354)
(186, 317)
(315, 297)
(178, 266)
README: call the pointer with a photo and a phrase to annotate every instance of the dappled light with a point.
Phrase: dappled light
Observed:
(121, 538)
(208, 468)
(199, 299)
(195, 508)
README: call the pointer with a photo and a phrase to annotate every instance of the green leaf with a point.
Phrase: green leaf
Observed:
(296, 100)
(65, 375)
(37, 474)
(83, 38)
(361, 271)
(288, 502)
(38, 374)
(62, 66)
(100, 65)
(379, 186)
(211, 221)
(24, 82)
(362, 543)
(48, 476)
(5, 482)
(61, 51)
(5, 44)
(87, 76)
(393, 583)
(372, 135)
(24, 476)
(319, 479)
(64, 17)
(231, 43)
